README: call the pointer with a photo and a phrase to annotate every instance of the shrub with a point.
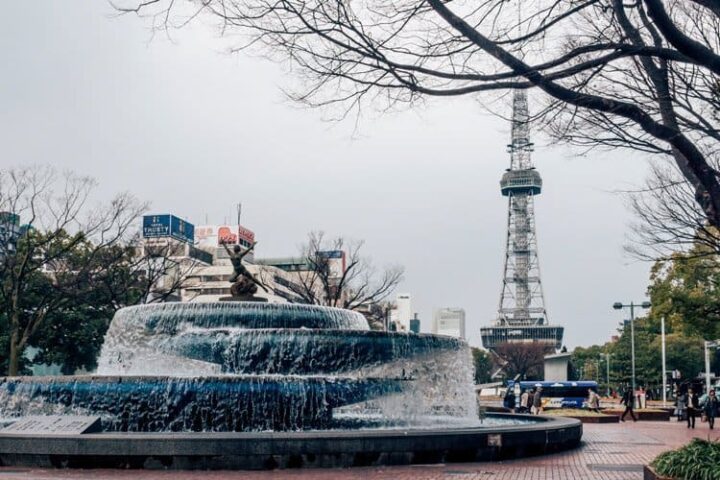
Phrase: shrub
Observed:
(698, 460)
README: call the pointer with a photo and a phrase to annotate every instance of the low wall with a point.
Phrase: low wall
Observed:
(652, 415)
(290, 449)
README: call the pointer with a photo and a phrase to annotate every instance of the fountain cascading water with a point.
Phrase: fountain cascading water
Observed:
(240, 385)
(243, 366)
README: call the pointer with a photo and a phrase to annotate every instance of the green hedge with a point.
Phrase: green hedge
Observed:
(698, 460)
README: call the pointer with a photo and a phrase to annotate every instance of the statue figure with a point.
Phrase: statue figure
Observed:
(244, 283)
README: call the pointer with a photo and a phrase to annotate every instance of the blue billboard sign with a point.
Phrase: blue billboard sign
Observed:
(162, 226)
(156, 226)
(182, 230)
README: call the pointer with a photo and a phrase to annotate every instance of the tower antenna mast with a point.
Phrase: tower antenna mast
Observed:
(522, 316)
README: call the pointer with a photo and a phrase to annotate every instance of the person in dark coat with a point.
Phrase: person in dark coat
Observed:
(628, 399)
(509, 400)
(531, 396)
(711, 408)
(693, 404)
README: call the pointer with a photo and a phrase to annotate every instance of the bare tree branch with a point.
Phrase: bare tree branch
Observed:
(641, 75)
(355, 286)
(66, 248)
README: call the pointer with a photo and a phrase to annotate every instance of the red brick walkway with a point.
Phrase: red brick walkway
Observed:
(609, 452)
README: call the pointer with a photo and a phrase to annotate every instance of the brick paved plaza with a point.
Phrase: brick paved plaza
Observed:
(609, 452)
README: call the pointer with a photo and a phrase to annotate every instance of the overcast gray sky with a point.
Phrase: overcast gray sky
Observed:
(194, 131)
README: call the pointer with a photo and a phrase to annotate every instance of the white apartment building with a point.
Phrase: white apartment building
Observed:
(211, 283)
(449, 321)
(402, 314)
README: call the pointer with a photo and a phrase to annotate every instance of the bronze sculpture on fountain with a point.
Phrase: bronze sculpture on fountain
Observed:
(244, 284)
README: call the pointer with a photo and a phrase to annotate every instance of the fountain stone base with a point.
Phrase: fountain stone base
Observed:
(249, 385)
(271, 450)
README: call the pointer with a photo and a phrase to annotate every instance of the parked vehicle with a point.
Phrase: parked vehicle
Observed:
(556, 394)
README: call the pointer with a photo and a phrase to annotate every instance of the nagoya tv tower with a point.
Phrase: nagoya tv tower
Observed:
(521, 314)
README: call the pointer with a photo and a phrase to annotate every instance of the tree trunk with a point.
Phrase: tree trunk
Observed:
(15, 352)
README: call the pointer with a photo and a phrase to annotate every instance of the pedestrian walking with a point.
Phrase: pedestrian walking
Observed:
(628, 399)
(537, 401)
(593, 401)
(711, 408)
(509, 400)
(693, 404)
(681, 404)
(531, 401)
(642, 398)
(524, 406)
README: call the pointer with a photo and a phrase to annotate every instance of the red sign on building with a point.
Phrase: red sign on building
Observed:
(226, 235)
(246, 234)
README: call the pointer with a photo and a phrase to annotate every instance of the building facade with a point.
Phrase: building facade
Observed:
(449, 321)
(401, 315)
(212, 283)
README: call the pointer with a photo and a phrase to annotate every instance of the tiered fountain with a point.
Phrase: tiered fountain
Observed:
(256, 385)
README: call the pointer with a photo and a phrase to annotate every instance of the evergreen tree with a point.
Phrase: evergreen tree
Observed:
(483, 365)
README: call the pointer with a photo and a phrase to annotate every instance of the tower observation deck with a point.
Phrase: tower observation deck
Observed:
(521, 314)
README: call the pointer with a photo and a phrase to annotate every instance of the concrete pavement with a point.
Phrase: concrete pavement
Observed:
(608, 452)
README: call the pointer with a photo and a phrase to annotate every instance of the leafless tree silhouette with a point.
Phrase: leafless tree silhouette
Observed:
(668, 220)
(356, 287)
(524, 359)
(641, 75)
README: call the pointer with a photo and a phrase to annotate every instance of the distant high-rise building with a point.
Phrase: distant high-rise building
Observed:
(521, 314)
(449, 321)
(403, 312)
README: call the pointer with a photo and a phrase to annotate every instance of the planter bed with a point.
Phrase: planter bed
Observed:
(585, 416)
(698, 459)
(644, 415)
(598, 419)
(650, 474)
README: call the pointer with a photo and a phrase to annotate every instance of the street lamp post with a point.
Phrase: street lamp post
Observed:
(664, 371)
(607, 370)
(708, 346)
(597, 370)
(631, 306)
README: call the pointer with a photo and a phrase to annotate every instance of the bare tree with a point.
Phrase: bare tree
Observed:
(668, 220)
(641, 75)
(524, 359)
(67, 247)
(338, 275)
(163, 268)
(378, 314)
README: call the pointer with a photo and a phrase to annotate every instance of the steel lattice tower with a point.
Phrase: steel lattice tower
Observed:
(521, 314)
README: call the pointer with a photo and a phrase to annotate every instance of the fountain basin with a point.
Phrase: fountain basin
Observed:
(307, 352)
(230, 403)
(268, 450)
(250, 386)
